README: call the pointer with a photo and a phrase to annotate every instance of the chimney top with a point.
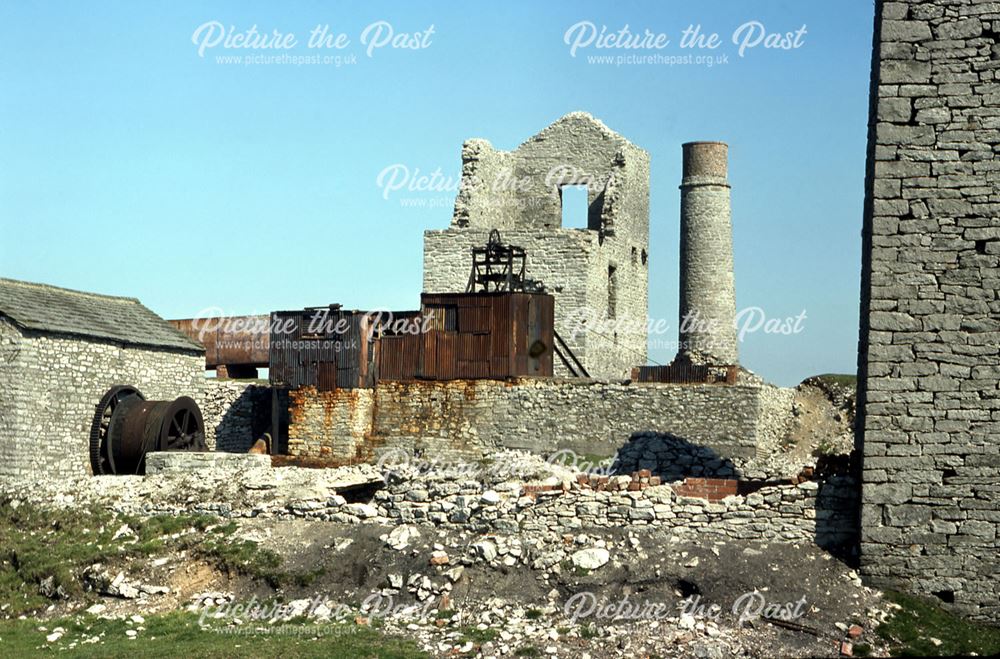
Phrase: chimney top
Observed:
(705, 160)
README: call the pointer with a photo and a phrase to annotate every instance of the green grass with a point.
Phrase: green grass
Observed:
(575, 570)
(479, 636)
(179, 634)
(909, 629)
(38, 544)
(533, 614)
(842, 379)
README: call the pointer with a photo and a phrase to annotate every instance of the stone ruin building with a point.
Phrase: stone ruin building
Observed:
(380, 392)
(927, 455)
(594, 273)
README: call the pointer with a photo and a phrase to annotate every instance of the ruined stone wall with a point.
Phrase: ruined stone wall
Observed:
(54, 384)
(819, 512)
(775, 419)
(469, 418)
(236, 413)
(506, 508)
(518, 192)
(574, 268)
(929, 403)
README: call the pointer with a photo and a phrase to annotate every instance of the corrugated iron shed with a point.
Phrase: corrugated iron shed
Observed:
(323, 347)
(474, 335)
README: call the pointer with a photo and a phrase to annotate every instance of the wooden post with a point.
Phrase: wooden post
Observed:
(275, 422)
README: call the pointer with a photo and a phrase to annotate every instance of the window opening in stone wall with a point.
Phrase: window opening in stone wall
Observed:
(575, 206)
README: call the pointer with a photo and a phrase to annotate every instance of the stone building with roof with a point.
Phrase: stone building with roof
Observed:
(60, 351)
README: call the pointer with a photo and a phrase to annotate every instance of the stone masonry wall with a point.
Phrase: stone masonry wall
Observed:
(331, 425)
(929, 403)
(818, 512)
(518, 192)
(51, 389)
(236, 413)
(470, 418)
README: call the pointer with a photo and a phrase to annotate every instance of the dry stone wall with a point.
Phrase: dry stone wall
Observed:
(494, 501)
(236, 413)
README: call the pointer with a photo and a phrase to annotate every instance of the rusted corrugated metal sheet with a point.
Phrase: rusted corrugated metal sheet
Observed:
(398, 357)
(230, 340)
(684, 373)
(327, 348)
(476, 335)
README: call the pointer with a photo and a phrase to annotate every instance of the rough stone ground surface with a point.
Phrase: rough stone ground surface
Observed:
(519, 606)
(528, 606)
(469, 565)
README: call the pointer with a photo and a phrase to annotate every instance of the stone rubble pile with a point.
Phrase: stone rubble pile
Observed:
(563, 502)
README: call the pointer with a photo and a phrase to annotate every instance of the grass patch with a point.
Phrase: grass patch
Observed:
(38, 545)
(909, 630)
(841, 379)
(479, 636)
(179, 634)
(44, 551)
(527, 651)
(575, 570)
(533, 614)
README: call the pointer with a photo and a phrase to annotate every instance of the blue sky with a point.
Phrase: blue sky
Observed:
(133, 166)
